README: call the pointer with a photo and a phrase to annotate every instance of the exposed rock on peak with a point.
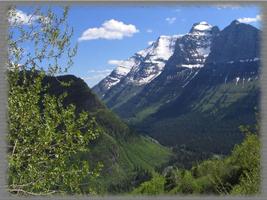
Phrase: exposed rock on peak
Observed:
(238, 41)
(142, 67)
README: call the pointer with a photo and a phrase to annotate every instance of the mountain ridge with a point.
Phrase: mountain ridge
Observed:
(155, 54)
(209, 72)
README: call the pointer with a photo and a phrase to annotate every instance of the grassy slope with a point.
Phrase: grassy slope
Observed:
(121, 157)
(144, 152)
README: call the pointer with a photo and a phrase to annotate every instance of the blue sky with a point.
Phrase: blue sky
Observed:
(116, 32)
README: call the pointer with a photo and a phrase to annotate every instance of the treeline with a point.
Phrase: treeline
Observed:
(239, 173)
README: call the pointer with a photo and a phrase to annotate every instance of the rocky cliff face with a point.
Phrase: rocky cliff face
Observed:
(237, 42)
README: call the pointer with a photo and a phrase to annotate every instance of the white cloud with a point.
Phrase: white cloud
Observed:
(100, 71)
(109, 30)
(150, 42)
(227, 6)
(177, 10)
(124, 63)
(149, 30)
(96, 75)
(170, 20)
(249, 19)
(115, 62)
(18, 17)
(95, 78)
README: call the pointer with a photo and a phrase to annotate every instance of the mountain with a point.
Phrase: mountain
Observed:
(123, 152)
(206, 90)
(137, 71)
(190, 53)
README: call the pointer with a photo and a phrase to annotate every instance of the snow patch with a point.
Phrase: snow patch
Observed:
(161, 49)
(203, 26)
(237, 80)
(192, 65)
(204, 51)
(165, 47)
(200, 29)
(154, 57)
(246, 60)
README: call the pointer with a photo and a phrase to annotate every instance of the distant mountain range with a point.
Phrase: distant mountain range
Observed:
(193, 90)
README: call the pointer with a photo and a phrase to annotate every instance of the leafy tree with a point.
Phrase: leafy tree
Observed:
(239, 173)
(172, 178)
(153, 187)
(247, 156)
(44, 135)
(188, 184)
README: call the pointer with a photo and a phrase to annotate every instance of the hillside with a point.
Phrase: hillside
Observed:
(119, 149)
(236, 174)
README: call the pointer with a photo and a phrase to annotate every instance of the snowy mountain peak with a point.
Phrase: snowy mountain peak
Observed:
(201, 28)
(123, 68)
(162, 48)
(143, 66)
(154, 59)
(147, 64)
(194, 47)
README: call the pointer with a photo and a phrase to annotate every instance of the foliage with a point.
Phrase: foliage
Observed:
(118, 148)
(126, 163)
(45, 141)
(184, 157)
(153, 187)
(247, 156)
(44, 135)
(238, 173)
(50, 138)
(137, 176)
